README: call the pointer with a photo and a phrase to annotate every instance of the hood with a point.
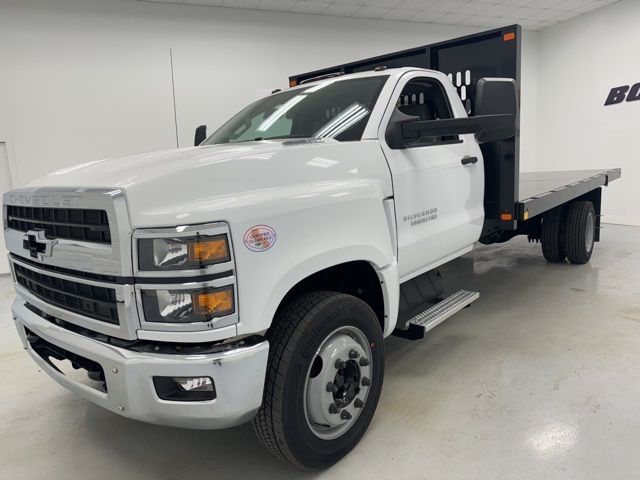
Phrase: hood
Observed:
(180, 186)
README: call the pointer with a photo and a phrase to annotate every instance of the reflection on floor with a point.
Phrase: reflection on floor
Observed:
(538, 379)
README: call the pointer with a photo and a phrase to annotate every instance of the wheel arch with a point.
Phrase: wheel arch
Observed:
(377, 287)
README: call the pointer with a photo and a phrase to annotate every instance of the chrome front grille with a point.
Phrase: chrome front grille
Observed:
(101, 305)
(96, 285)
(86, 230)
(70, 255)
(88, 225)
(95, 302)
(70, 272)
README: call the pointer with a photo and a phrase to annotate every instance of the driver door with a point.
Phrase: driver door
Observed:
(438, 187)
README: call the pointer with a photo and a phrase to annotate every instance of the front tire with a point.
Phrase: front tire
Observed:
(323, 381)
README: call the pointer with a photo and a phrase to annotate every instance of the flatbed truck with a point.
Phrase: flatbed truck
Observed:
(255, 276)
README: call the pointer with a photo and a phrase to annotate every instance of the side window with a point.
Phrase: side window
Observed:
(424, 98)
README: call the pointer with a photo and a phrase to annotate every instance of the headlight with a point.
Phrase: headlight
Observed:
(187, 306)
(182, 253)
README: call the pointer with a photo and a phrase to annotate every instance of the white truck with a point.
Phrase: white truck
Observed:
(256, 275)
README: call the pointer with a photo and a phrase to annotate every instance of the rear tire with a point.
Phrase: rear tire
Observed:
(294, 423)
(552, 235)
(580, 231)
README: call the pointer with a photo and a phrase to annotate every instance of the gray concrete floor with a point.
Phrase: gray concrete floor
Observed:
(539, 379)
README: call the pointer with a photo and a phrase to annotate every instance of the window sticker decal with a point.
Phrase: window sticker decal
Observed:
(260, 238)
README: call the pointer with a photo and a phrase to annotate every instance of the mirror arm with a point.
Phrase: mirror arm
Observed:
(456, 126)
(438, 128)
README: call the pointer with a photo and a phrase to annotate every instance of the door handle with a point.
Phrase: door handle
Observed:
(469, 160)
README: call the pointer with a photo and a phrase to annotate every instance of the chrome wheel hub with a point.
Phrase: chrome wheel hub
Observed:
(338, 382)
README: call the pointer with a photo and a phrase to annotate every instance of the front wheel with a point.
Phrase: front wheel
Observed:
(324, 378)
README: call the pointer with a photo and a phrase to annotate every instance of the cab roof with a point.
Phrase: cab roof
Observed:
(394, 72)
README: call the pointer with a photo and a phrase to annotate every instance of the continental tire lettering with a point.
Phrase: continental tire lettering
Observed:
(313, 340)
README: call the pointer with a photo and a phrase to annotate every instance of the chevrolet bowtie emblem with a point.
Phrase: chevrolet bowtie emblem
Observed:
(35, 242)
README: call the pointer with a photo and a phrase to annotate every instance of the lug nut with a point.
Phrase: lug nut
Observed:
(331, 387)
(353, 353)
(364, 362)
(358, 403)
(340, 364)
(333, 408)
(365, 381)
(345, 415)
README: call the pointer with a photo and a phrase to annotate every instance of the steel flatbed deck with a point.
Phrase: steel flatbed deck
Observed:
(542, 191)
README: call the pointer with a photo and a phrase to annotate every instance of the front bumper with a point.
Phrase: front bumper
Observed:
(238, 376)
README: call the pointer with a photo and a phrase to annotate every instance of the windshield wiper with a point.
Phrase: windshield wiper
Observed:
(258, 139)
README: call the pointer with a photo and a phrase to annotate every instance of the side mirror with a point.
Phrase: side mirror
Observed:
(496, 96)
(201, 135)
(496, 110)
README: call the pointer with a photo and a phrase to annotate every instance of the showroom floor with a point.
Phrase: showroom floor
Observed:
(538, 379)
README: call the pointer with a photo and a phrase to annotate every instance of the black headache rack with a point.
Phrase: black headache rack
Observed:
(494, 53)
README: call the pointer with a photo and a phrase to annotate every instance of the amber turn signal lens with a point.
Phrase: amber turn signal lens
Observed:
(206, 251)
(218, 302)
(506, 217)
(507, 37)
(293, 83)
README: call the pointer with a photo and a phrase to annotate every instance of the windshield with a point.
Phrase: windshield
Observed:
(337, 109)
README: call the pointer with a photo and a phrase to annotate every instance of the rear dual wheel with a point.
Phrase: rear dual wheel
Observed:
(324, 378)
(580, 232)
(569, 232)
(552, 235)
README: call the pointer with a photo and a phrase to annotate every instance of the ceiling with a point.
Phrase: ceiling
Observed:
(531, 14)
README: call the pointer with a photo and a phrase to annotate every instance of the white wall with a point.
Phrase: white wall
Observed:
(579, 62)
(5, 186)
(89, 79)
